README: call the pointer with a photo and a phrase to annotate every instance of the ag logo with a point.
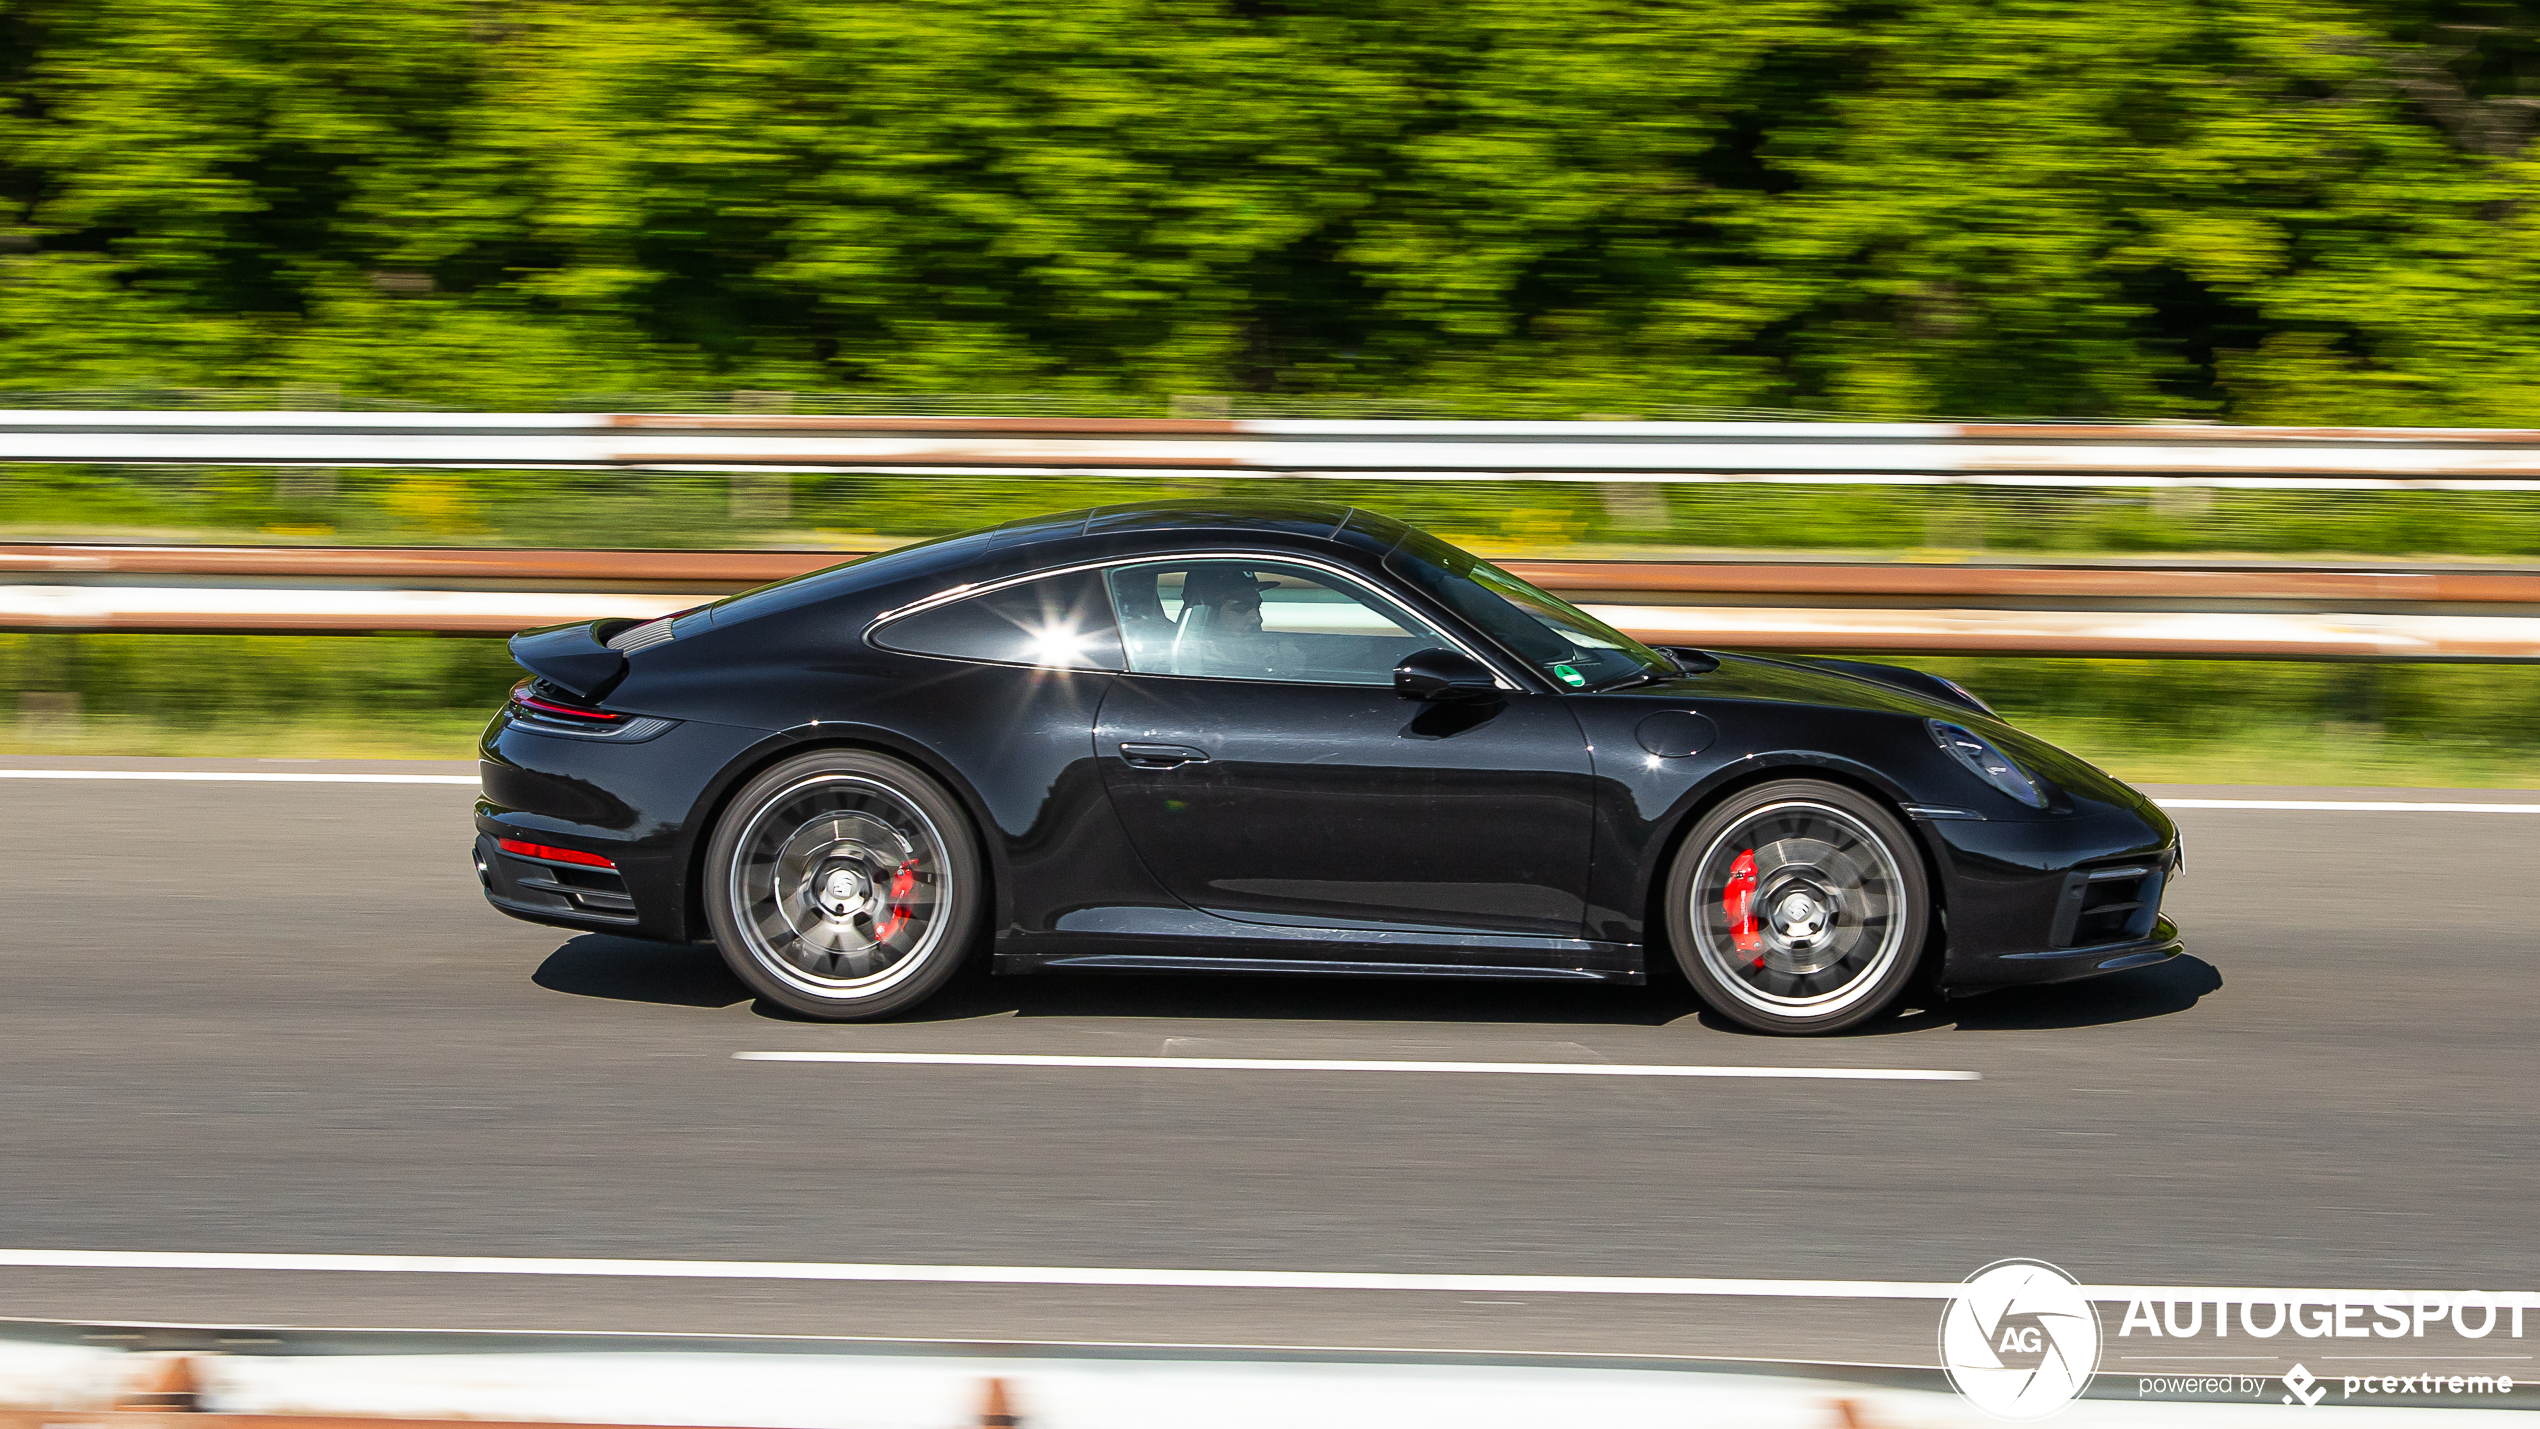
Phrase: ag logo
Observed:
(2020, 1340)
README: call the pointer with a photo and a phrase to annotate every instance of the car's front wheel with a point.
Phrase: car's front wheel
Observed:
(844, 885)
(1798, 906)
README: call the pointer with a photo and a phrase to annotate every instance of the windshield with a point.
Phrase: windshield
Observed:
(1571, 647)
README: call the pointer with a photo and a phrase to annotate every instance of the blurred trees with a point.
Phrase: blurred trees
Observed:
(2266, 210)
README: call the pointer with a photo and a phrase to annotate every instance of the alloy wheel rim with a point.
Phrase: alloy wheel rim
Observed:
(1799, 909)
(839, 883)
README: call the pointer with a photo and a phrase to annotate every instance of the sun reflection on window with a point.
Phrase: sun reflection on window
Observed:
(1057, 645)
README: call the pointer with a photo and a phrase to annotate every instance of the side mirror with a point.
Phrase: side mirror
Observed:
(1441, 674)
(1690, 660)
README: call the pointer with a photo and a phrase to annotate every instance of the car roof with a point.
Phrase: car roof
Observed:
(1101, 532)
(1280, 515)
(1138, 527)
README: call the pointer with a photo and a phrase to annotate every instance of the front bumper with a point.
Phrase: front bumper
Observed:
(2046, 901)
(2069, 964)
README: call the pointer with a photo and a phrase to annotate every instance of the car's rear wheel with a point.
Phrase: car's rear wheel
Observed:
(844, 885)
(1798, 906)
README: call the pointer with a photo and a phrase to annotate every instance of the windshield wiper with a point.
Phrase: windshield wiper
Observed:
(1626, 682)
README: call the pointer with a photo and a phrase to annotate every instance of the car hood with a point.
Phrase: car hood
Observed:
(2077, 785)
(1754, 677)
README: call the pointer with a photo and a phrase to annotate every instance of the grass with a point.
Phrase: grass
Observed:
(2265, 754)
(2153, 721)
(2293, 754)
(438, 736)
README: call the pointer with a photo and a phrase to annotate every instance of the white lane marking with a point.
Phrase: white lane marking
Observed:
(2344, 805)
(1282, 1064)
(1156, 1277)
(1143, 1276)
(198, 776)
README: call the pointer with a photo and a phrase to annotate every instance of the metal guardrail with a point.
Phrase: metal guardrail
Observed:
(2103, 608)
(160, 1376)
(2416, 584)
(1877, 453)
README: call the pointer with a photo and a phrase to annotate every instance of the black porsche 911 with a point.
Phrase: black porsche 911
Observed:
(1287, 737)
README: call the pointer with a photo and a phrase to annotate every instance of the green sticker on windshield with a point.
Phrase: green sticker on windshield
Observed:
(1569, 677)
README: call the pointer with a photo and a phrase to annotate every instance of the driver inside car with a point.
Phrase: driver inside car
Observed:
(1220, 625)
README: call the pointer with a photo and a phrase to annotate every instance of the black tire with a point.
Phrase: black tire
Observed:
(844, 885)
(1798, 907)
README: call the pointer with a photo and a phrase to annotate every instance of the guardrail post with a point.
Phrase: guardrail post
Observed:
(48, 715)
(762, 498)
(169, 1385)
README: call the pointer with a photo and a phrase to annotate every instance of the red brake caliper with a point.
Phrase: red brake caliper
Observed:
(904, 883)
(1737, 901)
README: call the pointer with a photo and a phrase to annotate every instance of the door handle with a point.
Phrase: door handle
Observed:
(1161, 756)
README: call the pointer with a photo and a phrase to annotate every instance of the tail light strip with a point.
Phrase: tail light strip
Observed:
(541, 715)
(568, 711)
(552, 854)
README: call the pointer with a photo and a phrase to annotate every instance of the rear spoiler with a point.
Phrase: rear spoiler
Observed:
(574, 658)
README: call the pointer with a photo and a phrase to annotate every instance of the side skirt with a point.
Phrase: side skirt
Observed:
(1313, 967)
(1150, 939)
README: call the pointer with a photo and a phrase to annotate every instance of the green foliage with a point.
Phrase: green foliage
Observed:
(655, 509)
(2274, 210)
(2313, 211)
(202, 680)
(2268, 722)
(2213, 700)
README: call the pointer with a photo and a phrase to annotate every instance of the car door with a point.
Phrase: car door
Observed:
(1266, 771)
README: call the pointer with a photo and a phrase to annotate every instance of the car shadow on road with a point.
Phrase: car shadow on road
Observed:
(685, 975)
(1232, 997)
(2156, 991)
(693, 975)
(631, 970)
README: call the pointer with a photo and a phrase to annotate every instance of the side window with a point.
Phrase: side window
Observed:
(1059, 622)
(1260, 620)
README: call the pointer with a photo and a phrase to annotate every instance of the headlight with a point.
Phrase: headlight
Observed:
(1988, 763)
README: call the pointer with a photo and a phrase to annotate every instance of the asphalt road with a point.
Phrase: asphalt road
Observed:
(279, 1018)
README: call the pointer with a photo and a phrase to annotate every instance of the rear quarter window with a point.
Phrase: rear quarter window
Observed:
(1056, 622)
